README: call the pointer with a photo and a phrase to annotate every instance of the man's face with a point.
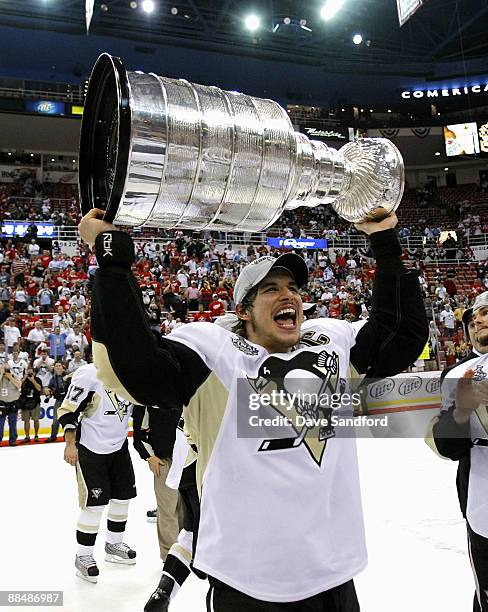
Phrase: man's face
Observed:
(479, 335)
(58, 368)
(274, 319)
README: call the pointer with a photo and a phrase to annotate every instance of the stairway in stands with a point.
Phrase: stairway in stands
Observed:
(465, 275)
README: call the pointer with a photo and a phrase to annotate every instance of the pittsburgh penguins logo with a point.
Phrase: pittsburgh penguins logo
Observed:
(482, 411)
(318, 371)
(120, 406)
(479, 373)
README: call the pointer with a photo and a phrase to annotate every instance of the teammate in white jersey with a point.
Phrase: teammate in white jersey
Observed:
(460, 433)
(96, 423)
(281, 518)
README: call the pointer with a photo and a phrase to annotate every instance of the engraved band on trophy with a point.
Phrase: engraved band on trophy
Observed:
(166, 153)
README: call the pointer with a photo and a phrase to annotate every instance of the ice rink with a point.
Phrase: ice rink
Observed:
(416, 535)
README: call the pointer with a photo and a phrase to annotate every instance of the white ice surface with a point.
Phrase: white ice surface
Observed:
(416, 535)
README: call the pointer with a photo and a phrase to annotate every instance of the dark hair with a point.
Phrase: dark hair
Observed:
(247, 303)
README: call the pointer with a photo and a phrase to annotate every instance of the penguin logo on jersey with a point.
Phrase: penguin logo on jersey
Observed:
(96, 493)
(319, 371)
(121, 407)
(479, 373)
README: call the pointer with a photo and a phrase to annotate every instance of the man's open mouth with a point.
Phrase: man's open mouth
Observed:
(286, 318)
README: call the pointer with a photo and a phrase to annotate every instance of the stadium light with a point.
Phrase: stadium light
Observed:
(330, 9)
(148, 6)
(252, 22)
(357, 39)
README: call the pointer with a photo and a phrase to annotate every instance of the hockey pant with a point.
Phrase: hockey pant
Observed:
(478, 554)
(223, 598)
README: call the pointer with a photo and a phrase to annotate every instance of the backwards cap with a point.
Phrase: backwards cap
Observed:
(257, 270)
(480, 301)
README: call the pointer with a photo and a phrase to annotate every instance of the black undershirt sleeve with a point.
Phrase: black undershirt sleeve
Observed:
(397, 328)
(153, 370)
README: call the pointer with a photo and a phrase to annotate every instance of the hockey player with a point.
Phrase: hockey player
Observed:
(177, 567)
(460, 433)
(96, 422)
(281, 519)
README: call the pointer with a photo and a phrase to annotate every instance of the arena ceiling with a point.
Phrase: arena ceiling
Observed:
(442, 30)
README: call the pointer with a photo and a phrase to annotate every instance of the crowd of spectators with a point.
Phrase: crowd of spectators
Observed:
(424, 235)
(28, 200)
(45, 293)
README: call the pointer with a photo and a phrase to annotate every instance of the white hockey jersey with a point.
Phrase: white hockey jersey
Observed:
(295, 499)
(477, 506)
(104, 417)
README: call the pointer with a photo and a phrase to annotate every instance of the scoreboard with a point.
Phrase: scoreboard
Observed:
(406, 8)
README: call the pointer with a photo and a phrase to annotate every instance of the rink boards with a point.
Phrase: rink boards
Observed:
(409, 401)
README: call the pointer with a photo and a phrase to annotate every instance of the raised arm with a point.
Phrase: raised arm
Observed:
(449, 433)
(131, 359)
(15, 381)
(397, 329)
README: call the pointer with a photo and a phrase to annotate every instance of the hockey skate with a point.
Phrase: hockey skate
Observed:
(120, 553)
(86, 568)
(159, 600)
(152, 516)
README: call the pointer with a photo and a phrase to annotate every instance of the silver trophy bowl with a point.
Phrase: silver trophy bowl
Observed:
(166, 153)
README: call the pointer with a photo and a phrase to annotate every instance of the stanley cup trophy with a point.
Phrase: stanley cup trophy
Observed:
(166, 153)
